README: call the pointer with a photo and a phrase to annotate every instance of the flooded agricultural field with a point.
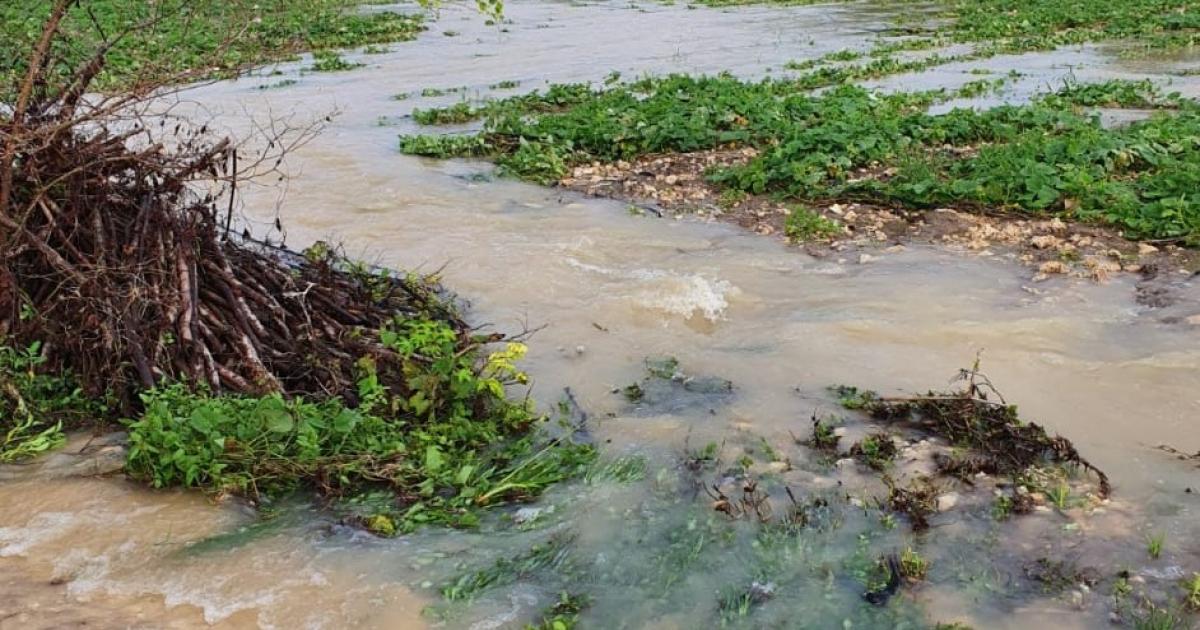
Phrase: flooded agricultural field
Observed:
(743, 478)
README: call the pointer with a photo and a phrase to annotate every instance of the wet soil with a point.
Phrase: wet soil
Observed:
(675, 185)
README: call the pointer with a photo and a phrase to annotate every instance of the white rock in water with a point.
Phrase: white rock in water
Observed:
(528, 514)
(946, 502)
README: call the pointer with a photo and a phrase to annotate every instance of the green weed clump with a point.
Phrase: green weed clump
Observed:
(328, 61)
(1045, 158)
(1014, 26)
(450, 445)
(1023, 25)
(804, 224)
(37, 403)
(202, 37)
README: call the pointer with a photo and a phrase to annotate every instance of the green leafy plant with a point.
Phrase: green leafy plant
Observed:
(1043, 158)
(202, 39)
(1191, 591)
(326, 61)
(913, 565)
(1154, 545)
(1059, 495)
(448, 446)
(37, 403)
(876, 451)
(804, 224)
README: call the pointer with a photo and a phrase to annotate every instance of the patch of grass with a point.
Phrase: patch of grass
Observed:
(1150, 616)
(507, 84)
(452, 445)
(552, 554)
(620, 470)
(1014, 26)
(1024, 25)
(805, 224)
(851, 397)
(1059, 495)
(701, 459)
(1116, 93)
(980, 87)
(913, 565)
(876, 451)
(1002, 508)
(1154, 545)
(824, 437)
(1191, 592)
(457, 113)
(205, 37)
(326, 61)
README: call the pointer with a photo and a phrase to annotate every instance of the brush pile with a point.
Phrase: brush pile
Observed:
(118, 254)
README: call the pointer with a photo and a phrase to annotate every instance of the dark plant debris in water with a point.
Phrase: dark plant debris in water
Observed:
(667, 389)
(1000, 442)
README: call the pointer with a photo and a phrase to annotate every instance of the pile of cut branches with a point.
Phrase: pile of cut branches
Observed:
(117, 253)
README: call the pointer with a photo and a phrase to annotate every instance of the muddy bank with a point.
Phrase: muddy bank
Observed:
(676, 186)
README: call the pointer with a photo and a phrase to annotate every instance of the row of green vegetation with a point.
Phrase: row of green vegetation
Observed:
(204, 37)
(451, 446)
(1023, 25)
(1049, 157)
(1010, 26)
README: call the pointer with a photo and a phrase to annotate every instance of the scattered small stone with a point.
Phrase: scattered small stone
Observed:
(865, 258)
(1145, 249)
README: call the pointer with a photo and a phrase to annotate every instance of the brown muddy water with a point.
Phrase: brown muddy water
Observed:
(611, 289)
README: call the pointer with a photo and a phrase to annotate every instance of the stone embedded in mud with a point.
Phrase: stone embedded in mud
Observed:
(946, 502)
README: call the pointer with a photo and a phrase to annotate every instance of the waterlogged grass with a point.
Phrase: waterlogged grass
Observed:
(204, 36)
(1050, 157)
(550, 555)
(329, 61)
(450, 447)
(1022, 25)
(1008, 26)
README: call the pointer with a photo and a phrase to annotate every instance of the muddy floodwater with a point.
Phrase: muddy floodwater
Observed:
(606, 289)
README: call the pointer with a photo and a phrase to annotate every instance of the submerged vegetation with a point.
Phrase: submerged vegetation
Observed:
(175, 39)
(1046, 158)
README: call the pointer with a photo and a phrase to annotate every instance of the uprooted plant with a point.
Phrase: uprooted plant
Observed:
(249, 368)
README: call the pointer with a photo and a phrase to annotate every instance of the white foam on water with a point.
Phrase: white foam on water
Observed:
(682, 294)
(43, 527)
(688, 296)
